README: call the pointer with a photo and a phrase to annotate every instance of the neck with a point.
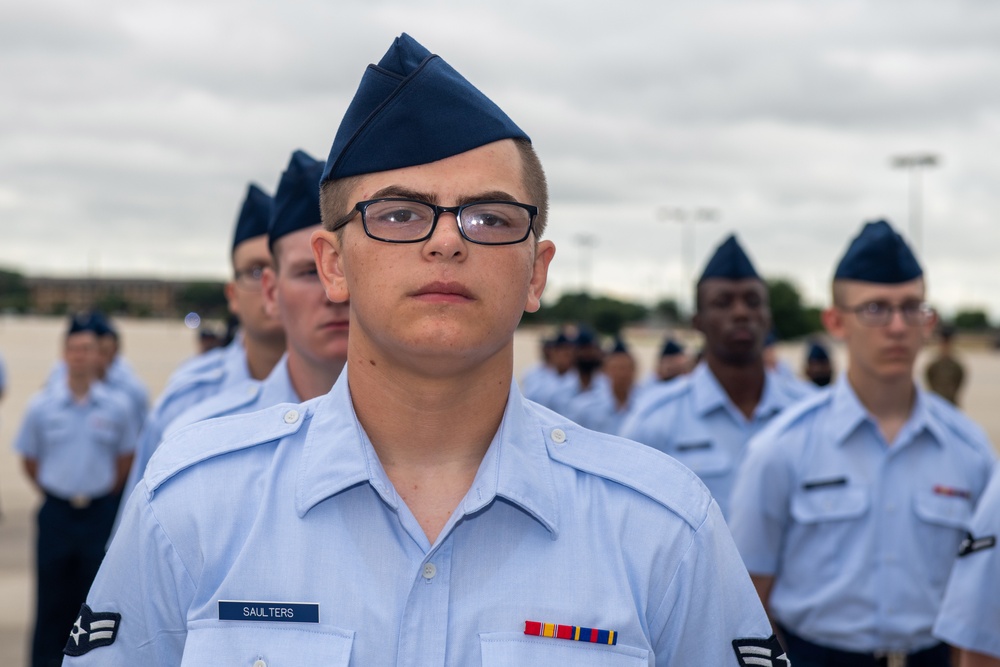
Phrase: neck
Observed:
(621, 393)
(262, 356)
(310, 380)
(79, 385)
(743, 384)
(885, 399)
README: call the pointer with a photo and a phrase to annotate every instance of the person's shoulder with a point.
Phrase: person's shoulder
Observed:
(662, 394)
(963, 429)
(196, 443)
(791, 422)
(236, 399)
(626, 463)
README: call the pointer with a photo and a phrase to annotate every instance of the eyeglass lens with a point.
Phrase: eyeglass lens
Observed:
(483, 222)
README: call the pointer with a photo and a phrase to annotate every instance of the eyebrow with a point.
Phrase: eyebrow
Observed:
(406, 193)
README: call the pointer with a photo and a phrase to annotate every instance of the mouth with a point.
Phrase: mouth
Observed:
(336, 325)
(449, 292)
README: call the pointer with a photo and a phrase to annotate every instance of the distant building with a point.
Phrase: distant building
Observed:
(134, 296)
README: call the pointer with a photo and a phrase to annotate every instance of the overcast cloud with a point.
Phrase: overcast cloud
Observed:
(128, 130)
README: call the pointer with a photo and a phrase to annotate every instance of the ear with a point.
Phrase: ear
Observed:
(326, 247)
(833, 321)
(231, 301)
(269, 291)
(930, 326)
(544, 252)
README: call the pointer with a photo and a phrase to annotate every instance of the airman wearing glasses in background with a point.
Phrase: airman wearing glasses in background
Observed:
(252, 354)
(850, 509)
(423, 512)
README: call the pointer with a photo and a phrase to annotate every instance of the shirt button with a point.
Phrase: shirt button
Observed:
(558, 436)
(429, 571)
(291, 416)
(260, 663)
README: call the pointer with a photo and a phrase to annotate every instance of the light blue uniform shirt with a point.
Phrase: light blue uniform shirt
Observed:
(970, 613)
(249, 396)
(76, 443)
(692, 419)
(551, 389)
(597, 408)
(291, 504)
(190, 385)
(859, 535)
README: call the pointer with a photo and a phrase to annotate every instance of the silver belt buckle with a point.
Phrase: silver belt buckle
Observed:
(79, 502)
(893, 658)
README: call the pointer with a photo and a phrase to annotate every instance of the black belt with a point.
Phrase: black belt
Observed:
(77, 502)
(804, 650)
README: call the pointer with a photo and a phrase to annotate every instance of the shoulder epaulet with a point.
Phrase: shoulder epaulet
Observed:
(641, 468)
(799, 409)
(207, 439)
(654, 398)
(219, 405)
(957, 423)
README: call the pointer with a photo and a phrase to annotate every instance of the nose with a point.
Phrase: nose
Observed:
(446, 241)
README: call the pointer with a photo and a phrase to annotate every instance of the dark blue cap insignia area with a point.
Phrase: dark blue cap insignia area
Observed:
(729, 262)
(413, 108)
(971, 545)
(760, 652)
(92, 630)
(296, 201)
(878, 254)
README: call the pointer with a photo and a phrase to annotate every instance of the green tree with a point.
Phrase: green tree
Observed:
(205, 298)
(971, 319)
(14, 292)
(605, 314)
(791, 318)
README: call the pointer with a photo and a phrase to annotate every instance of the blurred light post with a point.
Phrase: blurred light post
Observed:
(915, 163)
(685, 216)
(587, 243)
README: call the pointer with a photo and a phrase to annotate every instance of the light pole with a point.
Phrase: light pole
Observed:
(586, 242)
(915, 163)
(684, 216)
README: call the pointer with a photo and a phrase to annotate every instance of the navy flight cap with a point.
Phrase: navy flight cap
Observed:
(878, 255)
(729, 262)
(296, 202)
(254, 215)
(413, 108)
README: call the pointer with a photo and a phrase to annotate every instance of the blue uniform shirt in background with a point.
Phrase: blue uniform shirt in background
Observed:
(76, 443)
(970, 613)
(859, 534)
(693, 420)
(287, 513)
(190, 385)
(249, 396)
(597, 408)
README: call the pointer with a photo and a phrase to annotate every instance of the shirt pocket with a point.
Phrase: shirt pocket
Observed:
(940, 526)
(504, 649)
(212, 643)
(815, 506)
(826, 519)
(703, 457)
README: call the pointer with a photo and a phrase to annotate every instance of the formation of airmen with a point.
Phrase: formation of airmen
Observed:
(395, 496)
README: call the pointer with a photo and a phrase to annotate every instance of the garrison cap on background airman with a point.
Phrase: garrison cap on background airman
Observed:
(254, 215)
(296, 202)
(729, 262)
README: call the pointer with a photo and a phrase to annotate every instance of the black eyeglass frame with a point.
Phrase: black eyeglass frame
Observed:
(921, 310)
(362, 207)
(254, 273)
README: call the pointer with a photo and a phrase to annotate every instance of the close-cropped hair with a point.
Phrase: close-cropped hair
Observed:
(335, 203)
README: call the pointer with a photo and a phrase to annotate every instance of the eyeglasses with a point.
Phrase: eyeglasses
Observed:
(249, 278)
(396, 220)
(880, 313)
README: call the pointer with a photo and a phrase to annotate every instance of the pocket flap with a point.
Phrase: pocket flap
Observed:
(213, 642)
(504, 649)
(829, 504)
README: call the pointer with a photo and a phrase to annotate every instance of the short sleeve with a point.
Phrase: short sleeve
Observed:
(710, 603)
(143, 580)
(28, 440)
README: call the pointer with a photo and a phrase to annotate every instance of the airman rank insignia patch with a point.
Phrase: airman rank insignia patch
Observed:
(973, 544)
(760, 652)
(92, 630)
(571, 632)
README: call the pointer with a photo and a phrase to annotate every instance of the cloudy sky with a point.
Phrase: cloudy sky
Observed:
(128, 130)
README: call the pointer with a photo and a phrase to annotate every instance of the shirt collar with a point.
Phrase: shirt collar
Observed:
(277, 387)
(338, 455)
(708, 395)
(847, 414)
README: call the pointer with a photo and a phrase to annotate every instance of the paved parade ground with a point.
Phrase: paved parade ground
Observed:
(30, 346)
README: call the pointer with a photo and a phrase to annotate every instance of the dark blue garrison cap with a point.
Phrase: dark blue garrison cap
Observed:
(254, 216)
(878, 255)
(671, 348)
(817, 353)
(619, 347)
(296, 203)
(729, 262)
(413, 108)
(100, 324)
(80, 322)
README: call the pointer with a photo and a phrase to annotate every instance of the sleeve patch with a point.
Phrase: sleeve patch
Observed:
(973, 544)
(760, 652)
(92, 630)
